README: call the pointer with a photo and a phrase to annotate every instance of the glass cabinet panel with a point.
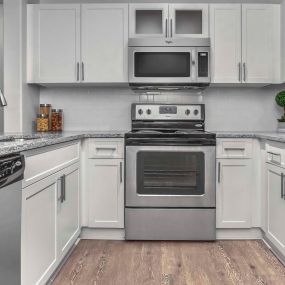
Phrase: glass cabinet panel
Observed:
(149, 22)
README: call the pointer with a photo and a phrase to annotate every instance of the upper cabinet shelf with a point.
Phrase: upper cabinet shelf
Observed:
(168, 20)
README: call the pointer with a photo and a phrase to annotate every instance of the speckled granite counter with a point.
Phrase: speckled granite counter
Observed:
(272, 136)
(42, 140)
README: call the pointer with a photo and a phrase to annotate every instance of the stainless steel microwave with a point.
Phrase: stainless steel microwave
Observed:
(169, 63)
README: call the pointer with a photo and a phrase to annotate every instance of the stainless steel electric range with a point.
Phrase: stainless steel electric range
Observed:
(170, 174)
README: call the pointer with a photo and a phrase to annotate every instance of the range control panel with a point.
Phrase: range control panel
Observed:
(168, 112)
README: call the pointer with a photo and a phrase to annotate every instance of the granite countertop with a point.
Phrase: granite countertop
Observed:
(38, 140)
(272, 136)
(41, 140)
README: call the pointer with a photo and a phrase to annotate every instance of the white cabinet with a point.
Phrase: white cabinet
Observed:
(50, 210)
(225, 31)
(106, 193)
(168, 20)
(39, 241)
(68, 209)
(77, 44)
(105, 43)
(104, 164)
(275, 230)
(53, 43)
(245, 42)
(234, 193)
(258, 42)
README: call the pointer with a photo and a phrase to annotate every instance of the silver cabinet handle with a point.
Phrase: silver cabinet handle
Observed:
(121, 172)
(244, 72)
(171, 30)
(282, 186)
(77, 71)
(63, 186)
(239, 72)
(219, 172)
(166, 28)
(61, 189)
(83, 75)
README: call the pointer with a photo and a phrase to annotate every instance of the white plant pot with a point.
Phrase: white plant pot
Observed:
(281, 127)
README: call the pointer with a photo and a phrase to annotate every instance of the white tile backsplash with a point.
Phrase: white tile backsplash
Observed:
(236, 109)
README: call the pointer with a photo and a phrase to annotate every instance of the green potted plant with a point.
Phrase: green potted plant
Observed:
(280, 100)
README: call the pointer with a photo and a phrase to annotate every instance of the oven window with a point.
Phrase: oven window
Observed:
(170, 173)
(162, 64)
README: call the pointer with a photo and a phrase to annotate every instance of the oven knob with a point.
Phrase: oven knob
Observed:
(196, 112)
(148, 111)
(187, 112)
(140, 111)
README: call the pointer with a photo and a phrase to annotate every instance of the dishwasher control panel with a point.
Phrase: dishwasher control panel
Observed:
(10, 165)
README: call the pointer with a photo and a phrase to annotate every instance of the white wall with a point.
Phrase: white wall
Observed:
(236, 109)
(22, 99)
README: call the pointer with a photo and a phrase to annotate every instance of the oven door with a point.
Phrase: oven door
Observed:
(170, 176)
(164, 65)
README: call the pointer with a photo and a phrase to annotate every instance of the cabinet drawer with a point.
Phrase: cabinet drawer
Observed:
(41, 163)
(106, 148)
(234, 148)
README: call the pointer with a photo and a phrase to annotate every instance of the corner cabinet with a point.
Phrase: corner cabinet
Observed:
(163, 20)
(245, 43)
(77, 44)
(275, 206)
(234, 183)
(105, 183)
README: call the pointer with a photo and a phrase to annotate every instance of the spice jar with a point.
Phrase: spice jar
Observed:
(46, 109)
(42, 123)
(57, 120)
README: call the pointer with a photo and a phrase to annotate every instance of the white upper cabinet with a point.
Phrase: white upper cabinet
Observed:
(77, 43)
(148, 20)
(104, 43)
(188, 20)
(53, 43)
(259, 42)
(245, 42)
(225, 30)
(168, 20)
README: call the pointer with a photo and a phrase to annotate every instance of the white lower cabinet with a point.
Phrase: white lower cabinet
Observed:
(106, 193)
(39, 256)
(68, 210)
(275, 230)
(50, 223)
(234, 184)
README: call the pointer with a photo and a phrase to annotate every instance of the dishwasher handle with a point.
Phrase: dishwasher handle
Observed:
(11, 169)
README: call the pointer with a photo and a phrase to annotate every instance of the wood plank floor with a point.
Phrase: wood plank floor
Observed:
(98, 262)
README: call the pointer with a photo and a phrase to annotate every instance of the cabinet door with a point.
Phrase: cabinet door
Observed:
(188, 20)
(148, 20)
(225, 33)
(234, 193)
(275, 206)
(258, 43)
(105, 43)
(68, 209)
(39, 256)
(54, 36)
(106, 193)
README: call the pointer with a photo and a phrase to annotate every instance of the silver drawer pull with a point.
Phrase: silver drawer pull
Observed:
(234, 148)
(274, 153)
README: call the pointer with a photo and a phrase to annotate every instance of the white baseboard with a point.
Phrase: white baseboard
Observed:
(253, 233)
(109, 234)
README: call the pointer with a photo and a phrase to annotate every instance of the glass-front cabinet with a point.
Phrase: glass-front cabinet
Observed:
(168, 20)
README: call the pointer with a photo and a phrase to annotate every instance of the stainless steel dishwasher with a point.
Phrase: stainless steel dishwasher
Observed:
(11, 173)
